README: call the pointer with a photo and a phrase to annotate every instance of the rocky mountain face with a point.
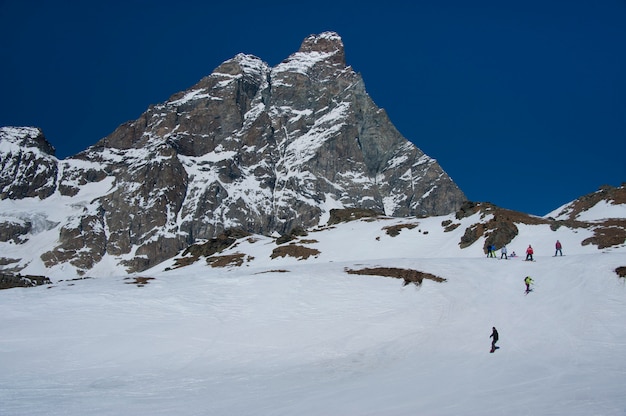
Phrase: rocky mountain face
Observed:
(251, 147)
(28, 167)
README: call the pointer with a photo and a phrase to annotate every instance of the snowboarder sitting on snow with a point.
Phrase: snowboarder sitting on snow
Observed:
(558, 248)
(529, 253)
(494, 336)
(503, 253)
(513, 254)
(529, 281)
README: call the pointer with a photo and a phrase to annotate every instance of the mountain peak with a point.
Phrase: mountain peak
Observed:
(327, 43)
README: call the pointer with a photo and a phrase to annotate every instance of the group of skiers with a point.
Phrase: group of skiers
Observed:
(491, 252)
(491, 249)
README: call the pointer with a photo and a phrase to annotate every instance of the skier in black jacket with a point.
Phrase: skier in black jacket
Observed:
(494, 336)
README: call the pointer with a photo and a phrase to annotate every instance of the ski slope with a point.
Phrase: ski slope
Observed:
(289, 337)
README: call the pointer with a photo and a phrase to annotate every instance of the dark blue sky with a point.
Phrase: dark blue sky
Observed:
(523, 103)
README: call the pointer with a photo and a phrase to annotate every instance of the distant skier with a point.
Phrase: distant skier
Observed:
(513, 254)
(491, 251)
(558, 248)
(529, 253)
(503, 253)
(529, 281)
(494, 339)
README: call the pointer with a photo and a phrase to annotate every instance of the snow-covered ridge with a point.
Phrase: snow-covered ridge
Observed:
(11, 134)
(606, 203)
(17, 139)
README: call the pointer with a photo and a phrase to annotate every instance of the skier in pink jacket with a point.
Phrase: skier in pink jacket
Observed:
(558, 248)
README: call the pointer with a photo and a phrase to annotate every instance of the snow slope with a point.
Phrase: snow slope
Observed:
(290, 337)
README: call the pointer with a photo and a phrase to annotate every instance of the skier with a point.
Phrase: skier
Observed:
(503, 253)
(558, 248)
(494, 339)
(529, 253)
(529, 281)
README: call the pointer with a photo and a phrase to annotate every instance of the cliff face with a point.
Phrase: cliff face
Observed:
(28, 167)
(249, 146)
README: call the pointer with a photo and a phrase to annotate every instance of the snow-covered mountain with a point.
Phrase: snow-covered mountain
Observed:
(319, 326)
(262, 149)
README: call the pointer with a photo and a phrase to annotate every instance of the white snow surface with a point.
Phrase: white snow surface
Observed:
(303, 337)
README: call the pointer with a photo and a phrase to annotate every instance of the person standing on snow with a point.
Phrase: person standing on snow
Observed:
(529, 281)
(494, 338)
(529, 253)
(503, 253)
(558, 248)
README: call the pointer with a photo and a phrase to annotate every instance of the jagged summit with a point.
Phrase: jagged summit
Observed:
(324, 42)
(325, 50)
(328, 43)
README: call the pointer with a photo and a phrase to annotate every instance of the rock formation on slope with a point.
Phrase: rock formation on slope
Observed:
(251, 147)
